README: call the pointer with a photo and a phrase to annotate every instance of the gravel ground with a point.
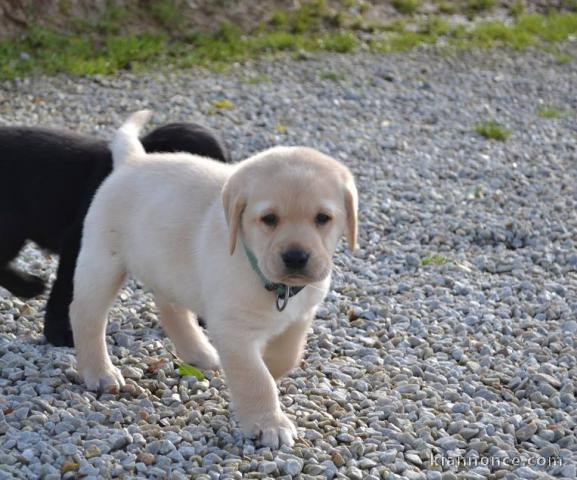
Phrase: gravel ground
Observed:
(450, 335)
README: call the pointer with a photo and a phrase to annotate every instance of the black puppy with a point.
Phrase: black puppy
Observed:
(47, 181)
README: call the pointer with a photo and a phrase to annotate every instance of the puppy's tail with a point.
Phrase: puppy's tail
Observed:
(125, 143)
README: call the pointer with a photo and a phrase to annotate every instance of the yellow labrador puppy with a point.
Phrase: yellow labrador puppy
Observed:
(247, 246)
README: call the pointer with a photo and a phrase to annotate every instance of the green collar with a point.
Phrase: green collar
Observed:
(283, 292)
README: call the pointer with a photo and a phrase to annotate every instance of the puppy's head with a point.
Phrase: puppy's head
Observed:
(291, 205)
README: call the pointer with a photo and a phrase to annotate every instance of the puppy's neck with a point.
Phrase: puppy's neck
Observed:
(283, 292)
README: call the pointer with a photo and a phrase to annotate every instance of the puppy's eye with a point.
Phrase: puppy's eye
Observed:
(270, 220)
(322, 219)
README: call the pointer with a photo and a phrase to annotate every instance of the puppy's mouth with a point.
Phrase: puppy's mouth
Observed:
(296, 280)
(301, 279)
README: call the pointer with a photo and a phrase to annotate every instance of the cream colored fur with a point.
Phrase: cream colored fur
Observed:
(178, 222)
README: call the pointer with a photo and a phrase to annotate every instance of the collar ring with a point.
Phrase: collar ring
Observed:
(283, 298)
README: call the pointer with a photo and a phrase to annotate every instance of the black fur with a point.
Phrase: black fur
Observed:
(47, 181)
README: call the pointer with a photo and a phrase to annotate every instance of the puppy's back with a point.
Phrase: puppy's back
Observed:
(45, 148)
(149, 212)
(186, 137)
(44, 175)
(167, 182)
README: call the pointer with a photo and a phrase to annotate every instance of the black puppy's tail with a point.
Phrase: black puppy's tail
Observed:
(125, 144)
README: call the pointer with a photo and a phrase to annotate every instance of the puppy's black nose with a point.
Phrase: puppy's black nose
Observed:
(295, 259)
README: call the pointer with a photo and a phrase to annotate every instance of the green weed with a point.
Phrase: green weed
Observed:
(166, 13)
(516, 9)
(473, 7)
(224, 105)
(563, 58)
(550, 111)
(492, 130)
(257, 79)
(434, 259)
(406, 7)
(186, 370)
(332, 76)
(447, 8)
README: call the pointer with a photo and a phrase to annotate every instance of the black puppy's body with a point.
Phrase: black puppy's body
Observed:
(47, 181)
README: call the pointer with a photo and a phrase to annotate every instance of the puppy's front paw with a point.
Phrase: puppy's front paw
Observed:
(107, 379)
(202, 355)
(272, 431)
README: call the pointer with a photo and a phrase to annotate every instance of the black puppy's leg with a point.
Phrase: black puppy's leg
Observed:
(57, 322)
(18, 283)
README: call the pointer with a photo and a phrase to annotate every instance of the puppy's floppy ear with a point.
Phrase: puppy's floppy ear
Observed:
(351, 207)
(234, 202)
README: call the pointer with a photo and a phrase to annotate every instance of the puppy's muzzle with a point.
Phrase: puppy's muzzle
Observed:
(295, 259)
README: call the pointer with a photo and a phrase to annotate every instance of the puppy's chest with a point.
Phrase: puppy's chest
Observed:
(278, 323)
(273, 322)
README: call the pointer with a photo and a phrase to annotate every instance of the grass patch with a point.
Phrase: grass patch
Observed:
(111, 21)
(529, 30)
(491, 34)
(406, 7)
(400, 42)
(47, 52)
(339, 42)
(477, 6)
(550, 111)
(551, 28)
(166, 13)
(492, 130)
(223, 105)
(311, 16)
(563, 58)
(332, 76)
(104, 48)
(516, 9)
(446, 8)
(257, 79)
(434, 259)
(281, 128)
(436, 26)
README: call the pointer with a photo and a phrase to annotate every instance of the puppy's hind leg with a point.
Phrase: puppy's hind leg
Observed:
(97, 279)
(188, 338)
(19, 283)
